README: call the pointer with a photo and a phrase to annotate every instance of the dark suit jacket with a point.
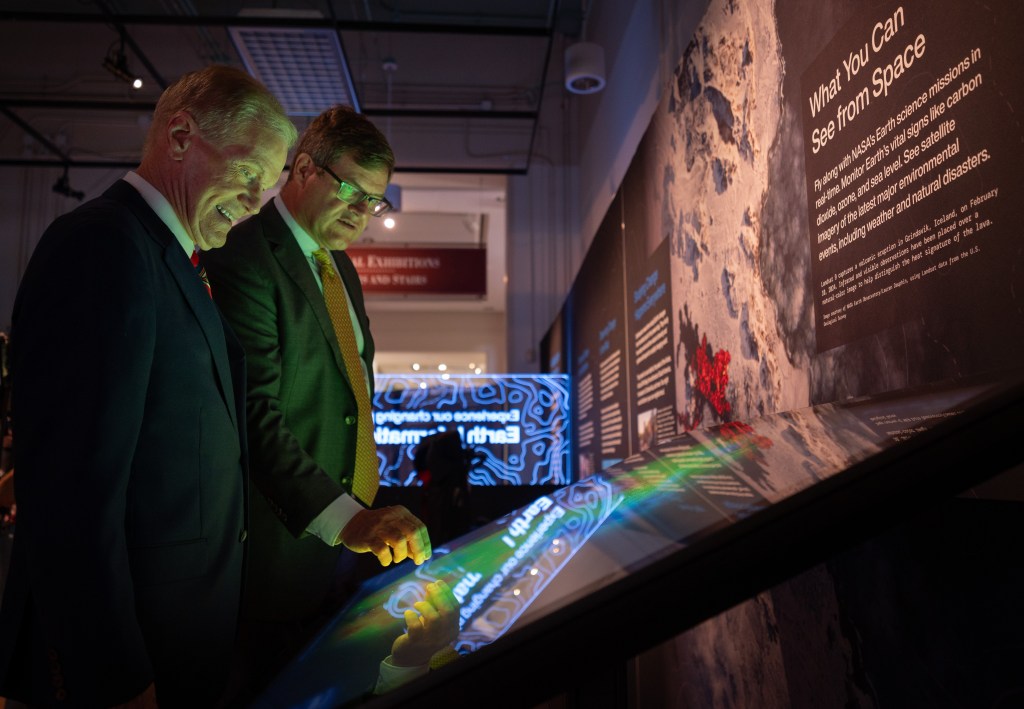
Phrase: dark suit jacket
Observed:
(127, 404)
(301, 408)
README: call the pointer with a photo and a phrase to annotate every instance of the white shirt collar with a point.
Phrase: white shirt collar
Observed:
(308, 245)
(159, 204)
(306, 242)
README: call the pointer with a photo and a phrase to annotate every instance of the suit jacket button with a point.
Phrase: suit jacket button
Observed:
(350, 420)
(242, 535)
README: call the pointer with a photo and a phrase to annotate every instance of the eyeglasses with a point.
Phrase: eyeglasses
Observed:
(350, 194)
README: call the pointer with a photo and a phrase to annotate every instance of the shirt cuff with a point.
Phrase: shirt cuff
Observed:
(328, 524)
(392, 676)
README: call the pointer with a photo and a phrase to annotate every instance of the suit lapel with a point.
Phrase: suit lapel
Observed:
(287, 252)
(208, 316)
(191, 287)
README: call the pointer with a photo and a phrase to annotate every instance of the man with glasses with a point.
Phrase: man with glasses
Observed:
(305, 405)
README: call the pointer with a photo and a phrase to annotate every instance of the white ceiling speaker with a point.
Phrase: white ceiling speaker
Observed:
(584, 68)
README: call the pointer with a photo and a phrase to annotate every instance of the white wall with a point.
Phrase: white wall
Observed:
(437, 332)
(27, 206)
(589, 142)
(422, 325)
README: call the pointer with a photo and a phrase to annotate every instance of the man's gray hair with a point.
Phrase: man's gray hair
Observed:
(223, 101)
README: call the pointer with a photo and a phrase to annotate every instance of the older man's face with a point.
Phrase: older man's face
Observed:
(226, 183)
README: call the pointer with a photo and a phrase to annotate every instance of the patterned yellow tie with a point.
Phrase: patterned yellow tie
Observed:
(365, 479)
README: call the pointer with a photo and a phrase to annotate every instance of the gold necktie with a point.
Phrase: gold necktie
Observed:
(366, 477)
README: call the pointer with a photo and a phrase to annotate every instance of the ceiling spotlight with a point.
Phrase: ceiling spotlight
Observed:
(117, 64)
(389, 223)
(584, 68)
(415, 366)
(442, 367)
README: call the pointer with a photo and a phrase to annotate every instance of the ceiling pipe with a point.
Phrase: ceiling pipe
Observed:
(132, 164)
(149, 106)
(286, 22)
(543, 83)
(79, 104)
(44, 162)
(65, 159)
(448, 113)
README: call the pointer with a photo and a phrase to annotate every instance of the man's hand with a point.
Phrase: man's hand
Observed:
(435, 628)
(392, 534)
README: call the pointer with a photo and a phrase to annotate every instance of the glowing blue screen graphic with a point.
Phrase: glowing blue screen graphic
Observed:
(575, 541)
(517, 424)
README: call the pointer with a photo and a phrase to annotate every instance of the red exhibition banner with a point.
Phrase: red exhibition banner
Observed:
(409, 271)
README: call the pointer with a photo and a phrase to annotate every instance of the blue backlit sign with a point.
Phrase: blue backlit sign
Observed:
(518, 424)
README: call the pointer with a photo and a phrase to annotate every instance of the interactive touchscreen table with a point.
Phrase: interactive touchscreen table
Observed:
(618, 562)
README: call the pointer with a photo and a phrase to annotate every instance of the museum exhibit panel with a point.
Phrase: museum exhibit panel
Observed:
(760, 318)
(613, 564)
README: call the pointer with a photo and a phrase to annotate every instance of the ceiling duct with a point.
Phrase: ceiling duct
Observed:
(304, 68)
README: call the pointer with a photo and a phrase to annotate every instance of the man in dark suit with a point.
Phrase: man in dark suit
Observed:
(303, 405)
(128, 392)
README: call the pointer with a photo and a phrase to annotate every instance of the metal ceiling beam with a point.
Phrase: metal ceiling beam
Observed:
(79, 104)
(250, 21)
(43, 140)
(70, 162)
(463, 170)
(540, 98)
(448, 113)
(132, 164)
(150, 106)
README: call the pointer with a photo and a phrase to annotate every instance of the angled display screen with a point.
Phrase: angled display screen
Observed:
(518, 424)
(586, 536)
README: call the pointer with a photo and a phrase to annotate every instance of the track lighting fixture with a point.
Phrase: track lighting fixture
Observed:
(117, 64)
(63, 186)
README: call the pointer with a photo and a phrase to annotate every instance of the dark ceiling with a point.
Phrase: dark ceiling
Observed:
(456, 85)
